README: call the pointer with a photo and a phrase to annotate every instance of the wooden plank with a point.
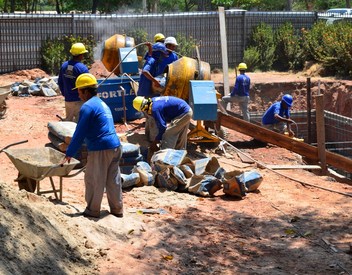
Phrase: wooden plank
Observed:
(269, 136)
(287, 167)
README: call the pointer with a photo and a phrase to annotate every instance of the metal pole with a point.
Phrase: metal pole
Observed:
(223, 41)
(309, 113)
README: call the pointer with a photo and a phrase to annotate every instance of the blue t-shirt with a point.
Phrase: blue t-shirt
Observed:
(165, 109)
(242, 85)
(276, 108)
(68, 74)
(95, 126)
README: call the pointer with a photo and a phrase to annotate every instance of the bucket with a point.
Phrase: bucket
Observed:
(181, 72)
(111, 93)
(110, 52)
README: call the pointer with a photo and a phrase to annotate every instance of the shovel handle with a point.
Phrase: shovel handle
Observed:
(13, 144)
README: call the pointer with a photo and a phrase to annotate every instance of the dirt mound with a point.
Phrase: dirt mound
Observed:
(286, 227)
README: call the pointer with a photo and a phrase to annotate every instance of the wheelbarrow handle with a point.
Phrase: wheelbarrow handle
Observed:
(13, 144)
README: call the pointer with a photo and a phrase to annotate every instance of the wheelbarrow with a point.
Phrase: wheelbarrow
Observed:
(36, 164)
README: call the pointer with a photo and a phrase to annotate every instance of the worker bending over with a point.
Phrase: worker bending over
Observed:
(277, 117)
(172, 116)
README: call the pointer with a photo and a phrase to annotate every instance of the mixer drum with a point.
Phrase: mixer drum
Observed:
(110, 51)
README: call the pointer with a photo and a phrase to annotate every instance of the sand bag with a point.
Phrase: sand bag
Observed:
(204, 185)
(169, 156)
(57, 142)
(250, 179)
(130, 150)
(231, 186)
(62, 129)
(146, 175)
(130, 180)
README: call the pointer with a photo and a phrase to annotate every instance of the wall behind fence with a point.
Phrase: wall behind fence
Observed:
(21, 35)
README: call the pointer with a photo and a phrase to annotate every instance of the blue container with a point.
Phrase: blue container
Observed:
(129, 60)
(110, 92)
(203, 100)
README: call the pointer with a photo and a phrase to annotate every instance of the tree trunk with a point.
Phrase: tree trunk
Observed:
(95, 6)
(348, 4)
(289, 5)
(12, 8)
(5, 6)
(57, 4)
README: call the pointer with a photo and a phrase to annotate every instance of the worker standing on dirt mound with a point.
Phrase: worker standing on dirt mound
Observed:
(69, 72)
(96, 127)
(240, 92)
(277, 117)
(167, 109)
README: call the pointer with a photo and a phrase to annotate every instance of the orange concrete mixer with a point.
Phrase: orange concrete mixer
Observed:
(110, 51)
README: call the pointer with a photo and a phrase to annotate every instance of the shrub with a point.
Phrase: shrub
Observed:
(140, 36)
(56, 51)
(288, 49)
(330, 45)
(251, 58)
(186, 45)
(262, 38)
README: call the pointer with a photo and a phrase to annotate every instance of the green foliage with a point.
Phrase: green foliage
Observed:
(262, 38)
(55, 51)
(186, 45)
(251, 57)
(330, 45)
(140, 36)
(288, 49)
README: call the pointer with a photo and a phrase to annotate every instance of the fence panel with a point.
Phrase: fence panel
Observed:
(22, 35)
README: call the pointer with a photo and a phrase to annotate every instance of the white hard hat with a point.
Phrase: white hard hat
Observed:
(170, 40)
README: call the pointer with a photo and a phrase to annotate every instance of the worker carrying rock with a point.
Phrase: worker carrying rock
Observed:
(172, 116)
(277, 116)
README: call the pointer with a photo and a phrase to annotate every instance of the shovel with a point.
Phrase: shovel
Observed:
(13, 144)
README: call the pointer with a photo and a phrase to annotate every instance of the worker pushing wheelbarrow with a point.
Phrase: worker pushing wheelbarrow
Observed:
(35, 164)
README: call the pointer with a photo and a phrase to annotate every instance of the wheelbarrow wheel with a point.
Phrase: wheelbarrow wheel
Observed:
(3, 109)
(26, 183)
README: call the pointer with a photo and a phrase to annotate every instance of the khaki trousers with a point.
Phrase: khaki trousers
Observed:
(103, 172)
(175, 136)
(72, 110)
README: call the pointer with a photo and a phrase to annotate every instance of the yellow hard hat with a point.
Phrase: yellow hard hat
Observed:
(77, 49)
(159, 37)
(242, 66)
(86, 80)
(139, 102)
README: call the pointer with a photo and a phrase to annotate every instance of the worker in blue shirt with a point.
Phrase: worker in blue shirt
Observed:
(68, 74)
(172, 116)
(96, 127)
(277, 116)
(171, 45)
(240, 92)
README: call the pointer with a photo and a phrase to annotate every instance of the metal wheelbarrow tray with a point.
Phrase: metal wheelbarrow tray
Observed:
(39, 163)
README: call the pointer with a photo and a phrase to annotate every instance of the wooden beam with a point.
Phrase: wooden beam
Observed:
(319, 102)
(287, 167)
(280, 140)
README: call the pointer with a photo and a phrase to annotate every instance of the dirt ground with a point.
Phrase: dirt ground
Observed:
(286, 227)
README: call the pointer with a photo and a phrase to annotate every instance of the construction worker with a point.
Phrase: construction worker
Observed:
(240, 92)
(149, 82)
(277, 116)
(171, 45)
(68, 74)
(159, 37)
(172, 116)
(96, 127)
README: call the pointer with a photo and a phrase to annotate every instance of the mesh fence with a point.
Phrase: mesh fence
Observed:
(21, 35)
